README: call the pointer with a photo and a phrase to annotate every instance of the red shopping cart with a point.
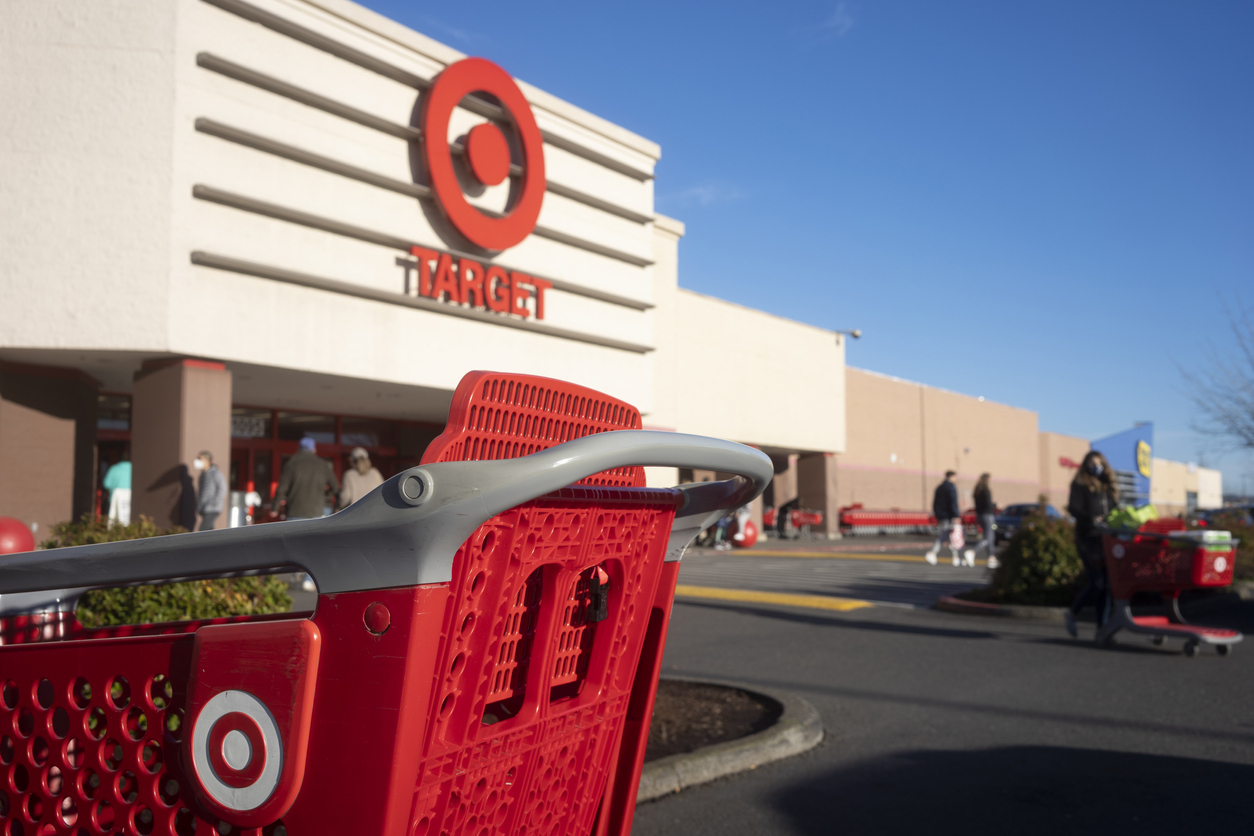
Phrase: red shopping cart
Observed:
(797, 522)
(483, 657)
(1161, 556)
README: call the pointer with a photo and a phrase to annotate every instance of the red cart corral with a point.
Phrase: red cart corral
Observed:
(1161, 556)
(483, 657)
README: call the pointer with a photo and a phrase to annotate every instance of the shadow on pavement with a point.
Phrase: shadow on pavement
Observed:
(1022, 789)
(838, 621)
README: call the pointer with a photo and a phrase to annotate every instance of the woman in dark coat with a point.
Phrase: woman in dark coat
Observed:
(1093, 496)
(985, 515)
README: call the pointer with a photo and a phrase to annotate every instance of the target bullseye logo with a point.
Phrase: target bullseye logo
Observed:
(487, 153)
(237, 750)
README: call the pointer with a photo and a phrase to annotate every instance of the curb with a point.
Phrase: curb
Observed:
(797, 730)
(1053, 615)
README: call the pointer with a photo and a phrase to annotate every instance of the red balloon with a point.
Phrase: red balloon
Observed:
(15, 537)
(751, 536)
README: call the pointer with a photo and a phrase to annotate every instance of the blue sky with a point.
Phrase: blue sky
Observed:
(1040, 203)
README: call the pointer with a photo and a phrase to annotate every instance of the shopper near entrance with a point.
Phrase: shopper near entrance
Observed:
(948, 519)
(985, 513)
(211, 491)
(305, 483)
(360, 479)
(1094, 494)
(117, 482)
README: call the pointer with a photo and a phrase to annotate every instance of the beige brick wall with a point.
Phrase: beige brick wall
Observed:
(37, 463)
(902, 437)
(1060, 457)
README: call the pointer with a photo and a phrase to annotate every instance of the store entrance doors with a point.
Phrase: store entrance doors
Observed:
(262, 440)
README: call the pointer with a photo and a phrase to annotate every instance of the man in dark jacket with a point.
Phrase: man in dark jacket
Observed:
(945, 509)
(211, 496)
(305, 482)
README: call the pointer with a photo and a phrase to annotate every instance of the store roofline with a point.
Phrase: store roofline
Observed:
(896, 379)
(758, 311)
(432, 49)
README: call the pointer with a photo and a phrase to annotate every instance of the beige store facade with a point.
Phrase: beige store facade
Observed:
(902, 436)
(220, 232)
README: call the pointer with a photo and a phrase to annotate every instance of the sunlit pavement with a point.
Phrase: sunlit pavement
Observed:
(940, 723)
(869, 571)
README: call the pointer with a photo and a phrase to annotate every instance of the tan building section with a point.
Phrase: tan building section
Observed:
(1178, 488)
(37, 463)
(47, 444)
(1061, 456)
(903, 436)
(1210, 488)
(180, 408)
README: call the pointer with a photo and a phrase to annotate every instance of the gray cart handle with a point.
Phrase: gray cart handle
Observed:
(405, 532)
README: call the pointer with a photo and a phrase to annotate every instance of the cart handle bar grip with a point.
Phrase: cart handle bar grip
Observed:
(404, 533)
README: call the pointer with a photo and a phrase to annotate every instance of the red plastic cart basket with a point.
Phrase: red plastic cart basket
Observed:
(483, 658)
(1160, 558)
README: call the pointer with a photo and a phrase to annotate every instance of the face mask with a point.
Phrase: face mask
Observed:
(199, 464)
(1095, 468)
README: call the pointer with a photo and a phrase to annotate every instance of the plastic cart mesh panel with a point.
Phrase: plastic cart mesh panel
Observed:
(512, 699)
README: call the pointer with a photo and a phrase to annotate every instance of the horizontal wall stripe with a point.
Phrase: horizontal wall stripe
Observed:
(383, 239)
(266, 271)
(355, 56)
(939, 474)
(270, 84)
(299, 155)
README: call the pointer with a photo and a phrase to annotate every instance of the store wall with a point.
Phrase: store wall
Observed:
(756, 378)
(1210, 488)
(87, 92)
(37, 460)
(903, 436)
(47, 444)
(1173, 482)
(1061, 456)
(285, 325)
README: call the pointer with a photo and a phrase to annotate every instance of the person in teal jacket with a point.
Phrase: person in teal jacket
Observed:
(117, 482)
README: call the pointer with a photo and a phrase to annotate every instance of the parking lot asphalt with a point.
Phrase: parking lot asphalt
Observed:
(940, 723)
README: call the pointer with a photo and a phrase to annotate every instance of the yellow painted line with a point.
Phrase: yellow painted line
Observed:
(787, 599)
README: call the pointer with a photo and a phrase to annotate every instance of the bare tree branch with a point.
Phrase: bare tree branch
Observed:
(1223, 392)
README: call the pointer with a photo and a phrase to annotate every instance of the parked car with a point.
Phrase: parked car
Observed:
(1008, 519)
(1211, 517)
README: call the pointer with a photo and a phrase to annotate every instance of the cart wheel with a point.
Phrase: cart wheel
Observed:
(1190, 649)
(1223, 649)
(1158, 640)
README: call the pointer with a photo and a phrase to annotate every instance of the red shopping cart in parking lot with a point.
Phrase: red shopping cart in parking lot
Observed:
(797, 522)
(1161, 556)
(483, 657)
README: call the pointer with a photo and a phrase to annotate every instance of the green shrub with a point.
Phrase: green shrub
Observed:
(1039, 566)
(182, 601)
(91, 529)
